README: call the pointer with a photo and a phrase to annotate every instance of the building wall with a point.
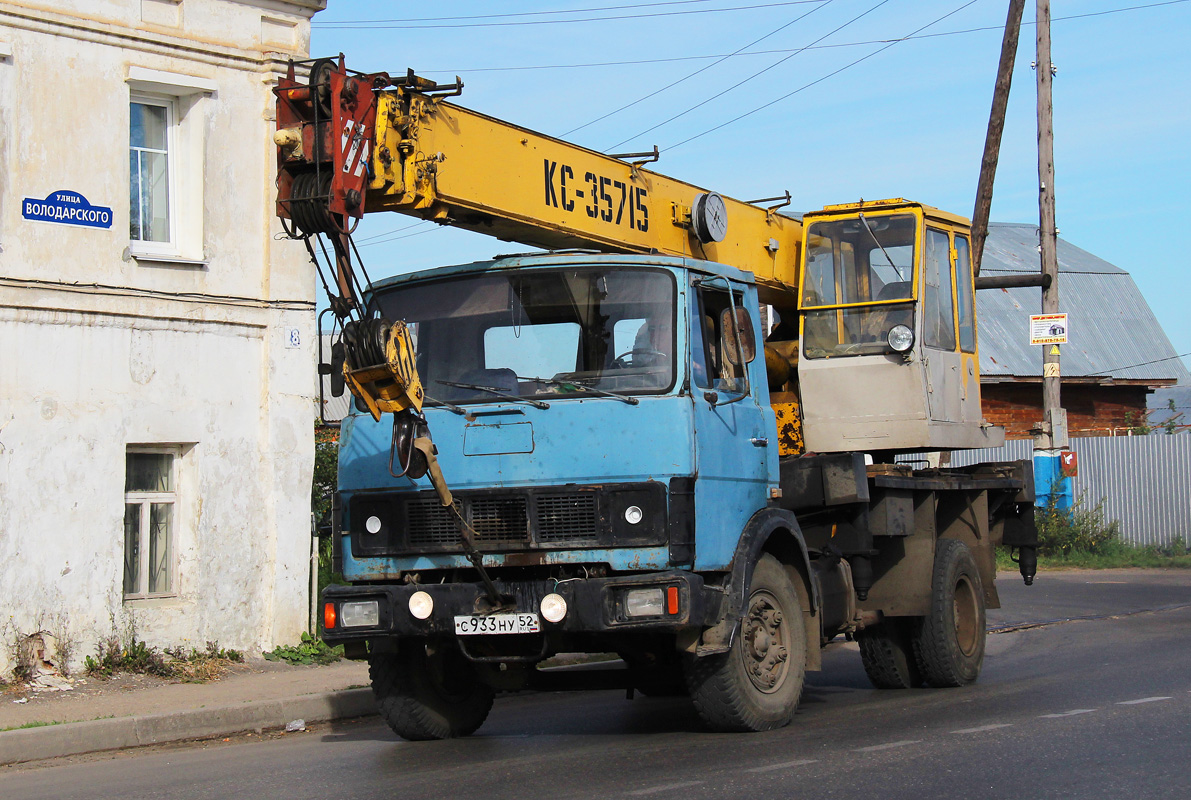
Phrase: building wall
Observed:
(1091, 410)
(207, 347)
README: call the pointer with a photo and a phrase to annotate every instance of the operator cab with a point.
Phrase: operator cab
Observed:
(887, 355)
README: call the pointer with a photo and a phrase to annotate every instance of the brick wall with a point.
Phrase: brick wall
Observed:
(1091, 410)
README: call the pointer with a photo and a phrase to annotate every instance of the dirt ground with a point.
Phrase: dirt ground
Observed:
(83, 698)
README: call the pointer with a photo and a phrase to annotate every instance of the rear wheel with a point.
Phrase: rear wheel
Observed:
(949, 645)
(425, 693)
(756, 685)
(887, 651)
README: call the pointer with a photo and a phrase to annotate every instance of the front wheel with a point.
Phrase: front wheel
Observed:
(429, 693)
(949, 645)
(756, 685)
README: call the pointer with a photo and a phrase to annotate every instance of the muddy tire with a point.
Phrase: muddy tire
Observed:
(756, 685)
(887, 651)
(949, 645)
(428, 695)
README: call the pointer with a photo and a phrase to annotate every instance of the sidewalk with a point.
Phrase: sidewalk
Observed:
(133, 710)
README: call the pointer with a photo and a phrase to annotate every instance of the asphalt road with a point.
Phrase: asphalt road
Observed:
(1096, 707)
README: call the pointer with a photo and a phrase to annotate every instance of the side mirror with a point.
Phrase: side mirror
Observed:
(742, 330)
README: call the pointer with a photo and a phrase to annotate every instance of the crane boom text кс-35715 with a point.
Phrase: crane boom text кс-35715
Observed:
(626, 474)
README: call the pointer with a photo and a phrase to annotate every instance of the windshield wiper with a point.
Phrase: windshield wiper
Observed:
(491, 390)
(632, 401)
(864, 222)
(445, 404)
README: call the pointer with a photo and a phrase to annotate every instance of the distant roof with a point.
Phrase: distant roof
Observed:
(1114, 334)
(1160, 403)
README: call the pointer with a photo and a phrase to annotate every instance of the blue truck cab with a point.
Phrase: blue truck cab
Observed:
(606, 427)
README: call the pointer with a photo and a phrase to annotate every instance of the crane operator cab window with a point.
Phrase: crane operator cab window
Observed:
(517, 334)
(858, 283)
(947, 293)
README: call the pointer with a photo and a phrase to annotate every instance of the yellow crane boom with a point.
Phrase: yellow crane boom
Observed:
(442, 162)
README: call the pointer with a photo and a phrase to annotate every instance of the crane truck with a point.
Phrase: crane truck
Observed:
(624, 458)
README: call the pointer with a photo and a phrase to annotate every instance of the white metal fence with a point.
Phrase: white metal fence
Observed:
(1144, 482)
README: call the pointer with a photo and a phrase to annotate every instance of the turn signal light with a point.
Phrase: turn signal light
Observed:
(672, 600)
(328, 616)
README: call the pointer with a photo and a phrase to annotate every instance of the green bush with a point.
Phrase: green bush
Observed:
(1062, 532)
(212, 652)
(178, 663)
(311, 650)
(135, 656)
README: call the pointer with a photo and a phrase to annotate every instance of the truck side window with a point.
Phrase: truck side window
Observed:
(963, 295)
(709, 368)
(938, 323)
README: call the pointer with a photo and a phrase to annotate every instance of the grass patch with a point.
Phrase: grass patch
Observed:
(30, 725)
(134, 656)
(1122, 557)
(310, 650)
(1083, 538)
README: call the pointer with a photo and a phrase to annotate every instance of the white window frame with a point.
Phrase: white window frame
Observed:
(187, 97)
(146, 500)
(170, 246)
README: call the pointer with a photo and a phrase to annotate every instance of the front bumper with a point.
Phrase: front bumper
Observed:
(594, 605)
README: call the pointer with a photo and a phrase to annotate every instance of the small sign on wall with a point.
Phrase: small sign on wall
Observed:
(1069, 462)
(66, 208)
(1048, 329)
(293, 338)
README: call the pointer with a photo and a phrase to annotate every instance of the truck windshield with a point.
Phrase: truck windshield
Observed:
(536, 332)
(858, 284)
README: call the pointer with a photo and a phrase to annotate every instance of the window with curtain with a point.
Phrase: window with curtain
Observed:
(149, 499)
(149, 168)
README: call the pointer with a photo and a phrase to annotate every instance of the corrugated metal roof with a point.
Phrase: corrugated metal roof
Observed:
(1111, 326)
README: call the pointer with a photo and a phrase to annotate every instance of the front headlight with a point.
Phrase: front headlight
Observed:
(900, 338)
(361, 614)
(645, 602)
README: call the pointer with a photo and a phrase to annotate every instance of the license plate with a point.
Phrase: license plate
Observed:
(474, 625)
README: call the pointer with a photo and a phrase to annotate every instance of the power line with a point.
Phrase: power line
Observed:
(701, 69)
(394, 230)
(1131, 366)
(377, 26)
(750, 77)
(818, 80)
(511, 14)
(676, 59)
(406, 236)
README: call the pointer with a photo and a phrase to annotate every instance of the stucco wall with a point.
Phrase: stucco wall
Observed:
(102, 350)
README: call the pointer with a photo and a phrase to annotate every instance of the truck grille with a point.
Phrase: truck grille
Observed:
(499, 519)
(567, 517)
(510, 520)
(429, 525)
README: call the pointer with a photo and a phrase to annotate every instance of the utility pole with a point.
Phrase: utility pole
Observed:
(1054, 425)
(996, 126)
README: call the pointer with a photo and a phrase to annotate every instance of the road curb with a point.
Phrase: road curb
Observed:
(74, 738)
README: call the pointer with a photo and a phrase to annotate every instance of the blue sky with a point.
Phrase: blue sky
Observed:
(908, 120)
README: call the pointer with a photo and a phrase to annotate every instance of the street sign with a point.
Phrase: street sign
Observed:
(66, 208)
(1048, 329)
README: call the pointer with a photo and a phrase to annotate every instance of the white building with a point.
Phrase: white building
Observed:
(156, 336)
